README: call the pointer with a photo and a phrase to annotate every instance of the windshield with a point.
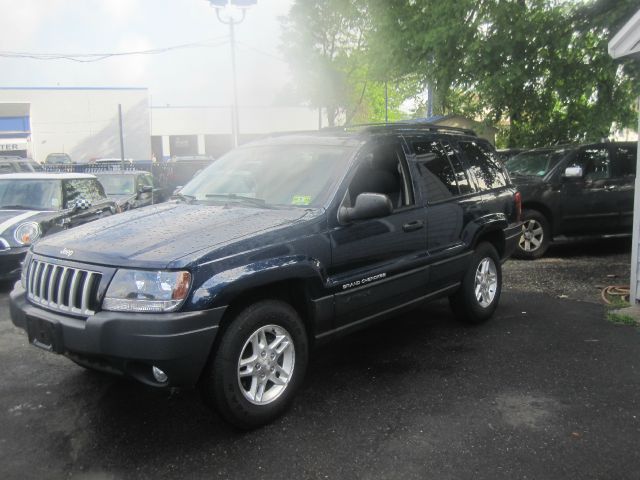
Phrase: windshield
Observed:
(299, 175)
(30, 194)
(535, 163)
(118, 184)
(56, 159)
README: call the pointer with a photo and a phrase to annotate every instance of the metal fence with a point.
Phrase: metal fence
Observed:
(167, 176)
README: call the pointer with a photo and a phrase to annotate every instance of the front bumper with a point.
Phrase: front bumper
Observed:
(126, 343)
(11, 262)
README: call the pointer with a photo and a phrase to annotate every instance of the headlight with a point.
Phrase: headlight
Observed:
(146, 291)
(27, 233)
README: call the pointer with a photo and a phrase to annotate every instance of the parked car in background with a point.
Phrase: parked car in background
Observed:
(128, 188)
(58, 159)
(181, 169)
(111, 161)
(36, 204)
(506, 154)
(278, 245)
(11, 164)
(574, 191)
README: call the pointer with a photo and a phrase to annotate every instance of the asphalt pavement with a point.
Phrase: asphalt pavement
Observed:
(547, 389)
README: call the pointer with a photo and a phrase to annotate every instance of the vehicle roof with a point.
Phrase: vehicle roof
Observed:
(356, 134)
(44, 176)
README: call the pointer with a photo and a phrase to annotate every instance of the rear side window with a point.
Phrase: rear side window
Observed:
(437, 176)
(625, 162)
(483, 165)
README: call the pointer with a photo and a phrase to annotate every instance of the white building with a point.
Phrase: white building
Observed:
(206, 130)
(84, 123)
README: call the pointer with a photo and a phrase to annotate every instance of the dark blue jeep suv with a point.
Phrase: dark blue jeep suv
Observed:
(280, 244)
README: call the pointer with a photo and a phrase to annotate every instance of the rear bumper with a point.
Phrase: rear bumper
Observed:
(11, 262)
(511, 237)
(126, 343)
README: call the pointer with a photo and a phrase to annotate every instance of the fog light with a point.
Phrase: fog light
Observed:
(159, 375)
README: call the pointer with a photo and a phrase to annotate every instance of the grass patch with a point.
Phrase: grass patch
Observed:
(618, 302)
(621, 319)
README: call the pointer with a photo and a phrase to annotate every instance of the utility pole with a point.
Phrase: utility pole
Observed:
(225, 16)
(121, 136)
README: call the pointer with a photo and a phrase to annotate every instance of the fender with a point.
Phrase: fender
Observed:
(495, 222)
(223, 287)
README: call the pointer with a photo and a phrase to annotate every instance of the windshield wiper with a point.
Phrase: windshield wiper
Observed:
(258, 202)
(17, 207)
(183, 197)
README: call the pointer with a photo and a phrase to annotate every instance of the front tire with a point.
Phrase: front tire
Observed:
(534, 240)
(479, 294)
(258, 366)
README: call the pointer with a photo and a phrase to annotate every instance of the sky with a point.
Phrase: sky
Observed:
(189, 76)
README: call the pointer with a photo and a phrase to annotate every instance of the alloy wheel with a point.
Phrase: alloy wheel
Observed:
(266, 363)
(486, 282)
(532, 236)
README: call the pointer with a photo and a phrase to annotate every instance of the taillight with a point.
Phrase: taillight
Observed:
(518, 200)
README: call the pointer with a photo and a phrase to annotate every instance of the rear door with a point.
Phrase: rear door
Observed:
(379, 264)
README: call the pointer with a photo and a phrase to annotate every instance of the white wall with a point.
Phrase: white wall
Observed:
(217, 120)
(83, 122)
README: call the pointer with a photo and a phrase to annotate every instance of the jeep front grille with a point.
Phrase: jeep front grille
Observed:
(65, 289)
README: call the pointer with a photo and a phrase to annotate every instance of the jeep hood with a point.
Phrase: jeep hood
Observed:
(153, 237)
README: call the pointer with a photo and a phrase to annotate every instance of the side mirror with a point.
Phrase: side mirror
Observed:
(368, 205)
(573, 172)
(145, 189)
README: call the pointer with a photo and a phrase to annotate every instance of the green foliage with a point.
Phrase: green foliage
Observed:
(537, 69)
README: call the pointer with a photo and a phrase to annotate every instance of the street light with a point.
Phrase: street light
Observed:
(225, 16)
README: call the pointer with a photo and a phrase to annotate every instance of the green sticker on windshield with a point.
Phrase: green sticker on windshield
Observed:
(301, 200)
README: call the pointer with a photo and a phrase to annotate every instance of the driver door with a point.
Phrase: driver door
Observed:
(378, 264)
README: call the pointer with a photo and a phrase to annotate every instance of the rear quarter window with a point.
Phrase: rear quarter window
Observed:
(485, 168)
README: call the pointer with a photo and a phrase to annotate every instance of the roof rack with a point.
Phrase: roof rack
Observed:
(407, 125)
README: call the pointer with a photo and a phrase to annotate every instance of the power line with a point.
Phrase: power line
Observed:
(96, 57)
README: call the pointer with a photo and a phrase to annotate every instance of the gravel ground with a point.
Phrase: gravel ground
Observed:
(576, 270)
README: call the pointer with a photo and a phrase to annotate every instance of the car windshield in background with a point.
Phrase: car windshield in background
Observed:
(118, 184)
(30, 194)
(299, 175)
(58, 159)
(535, 163)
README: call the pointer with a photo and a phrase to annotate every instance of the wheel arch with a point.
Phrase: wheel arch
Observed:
(544, 210)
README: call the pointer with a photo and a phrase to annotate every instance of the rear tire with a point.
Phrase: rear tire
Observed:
(258, 366)
(535, 237)
(479, 294)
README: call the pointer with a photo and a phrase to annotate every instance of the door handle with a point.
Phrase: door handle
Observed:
(411, 226)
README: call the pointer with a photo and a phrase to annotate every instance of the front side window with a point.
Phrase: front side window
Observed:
(30, 194)
(483, 165)
(382, 169)
(595, 163)
(285, 174)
